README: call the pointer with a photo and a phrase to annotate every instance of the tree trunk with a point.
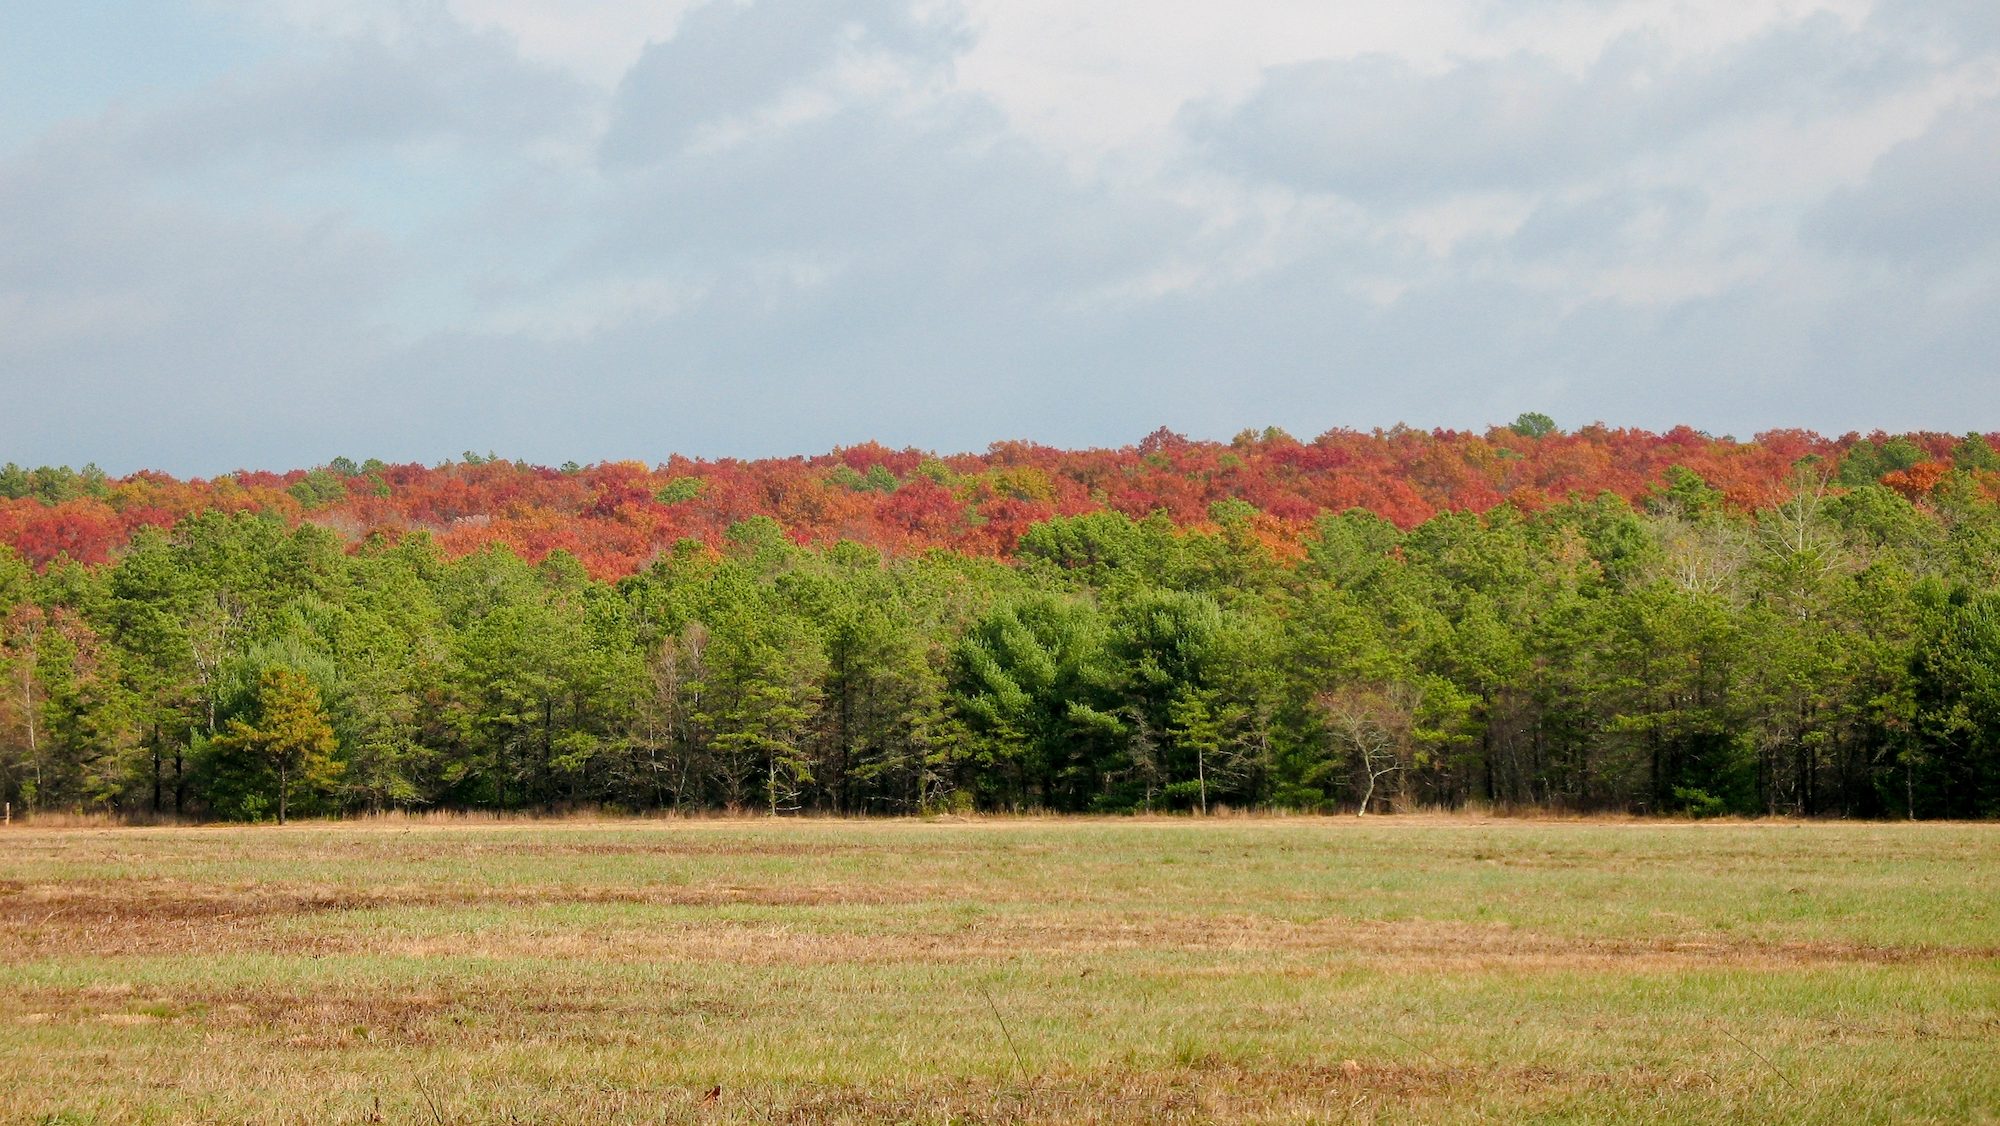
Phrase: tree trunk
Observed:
(1486, 758)
(28, 712)
(1201, 774)
(548, 746)
(846, 739)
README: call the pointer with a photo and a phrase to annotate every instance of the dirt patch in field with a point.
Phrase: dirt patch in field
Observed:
(1223, 1095)
(1445, 943)
(139, 917)
(668, 847)
(358, 1016)
(1359, 1091)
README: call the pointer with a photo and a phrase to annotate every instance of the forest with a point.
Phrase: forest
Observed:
(1599, 620)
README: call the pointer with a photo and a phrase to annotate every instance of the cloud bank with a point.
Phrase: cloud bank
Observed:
(764, 226)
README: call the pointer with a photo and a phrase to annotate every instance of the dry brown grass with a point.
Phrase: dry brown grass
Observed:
(134, 917)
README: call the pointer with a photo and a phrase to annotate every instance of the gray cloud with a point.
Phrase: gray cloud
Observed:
(1605, 224)
(1933, 201)
(1381, 130)
(934, 280)
(439, 84)
(159, 332)
(1966, 28)
(162, 289)
(729, 59)
(1377, 128)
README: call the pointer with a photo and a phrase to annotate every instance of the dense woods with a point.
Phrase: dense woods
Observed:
(616, 518)
(1594, 620)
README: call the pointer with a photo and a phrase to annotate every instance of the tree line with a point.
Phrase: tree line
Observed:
(1833, 654)
(616, 517)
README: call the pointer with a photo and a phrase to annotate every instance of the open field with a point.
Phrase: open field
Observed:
(1124, 970)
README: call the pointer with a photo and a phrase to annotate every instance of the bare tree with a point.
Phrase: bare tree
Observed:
(211, 637)
(1802, 546)
(667, 732)
(1374, 723)
(1703, 558)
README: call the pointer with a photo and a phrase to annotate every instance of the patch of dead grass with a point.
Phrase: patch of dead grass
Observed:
(133, 917)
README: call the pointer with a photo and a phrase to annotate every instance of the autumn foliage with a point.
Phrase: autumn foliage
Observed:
(618, 516)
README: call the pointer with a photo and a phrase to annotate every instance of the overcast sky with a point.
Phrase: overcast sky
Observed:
(265, 232)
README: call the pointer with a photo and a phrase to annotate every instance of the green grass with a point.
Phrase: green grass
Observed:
(1397, 969)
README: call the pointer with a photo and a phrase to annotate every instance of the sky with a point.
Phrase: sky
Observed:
(263, 233)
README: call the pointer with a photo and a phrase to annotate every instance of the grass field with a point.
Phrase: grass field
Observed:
(1392, 969)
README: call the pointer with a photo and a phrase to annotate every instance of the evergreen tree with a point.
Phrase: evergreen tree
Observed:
(290, 737)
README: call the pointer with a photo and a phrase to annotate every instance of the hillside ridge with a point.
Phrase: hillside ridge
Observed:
(617, 516)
